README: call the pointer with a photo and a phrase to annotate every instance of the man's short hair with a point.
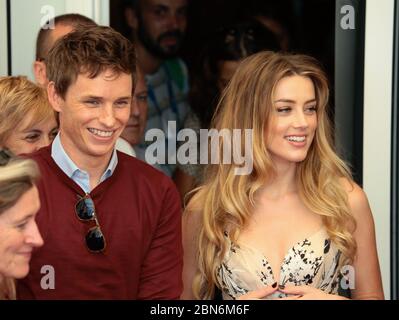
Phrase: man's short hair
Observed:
(89, 51)
(43, 41)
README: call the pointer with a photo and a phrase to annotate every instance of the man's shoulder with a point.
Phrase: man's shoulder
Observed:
(140, 170)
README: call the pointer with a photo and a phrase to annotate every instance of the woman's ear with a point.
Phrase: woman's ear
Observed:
(54, 98)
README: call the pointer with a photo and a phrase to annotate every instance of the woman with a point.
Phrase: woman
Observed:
(215, 67)
(27, 121)
(298, 223)
(19, 202)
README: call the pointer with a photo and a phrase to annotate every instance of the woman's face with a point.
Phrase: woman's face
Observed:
(19, 235)
(293, 119)
(27, 138)
(226, 71)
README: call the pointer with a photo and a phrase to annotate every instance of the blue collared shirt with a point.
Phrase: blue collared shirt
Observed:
(79, 176)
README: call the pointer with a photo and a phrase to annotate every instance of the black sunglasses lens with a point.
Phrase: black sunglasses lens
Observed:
(85, 209)
(95, 240)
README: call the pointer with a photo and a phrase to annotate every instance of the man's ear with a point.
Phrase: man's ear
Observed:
(39, 70)
(54, 98)
(131, 18)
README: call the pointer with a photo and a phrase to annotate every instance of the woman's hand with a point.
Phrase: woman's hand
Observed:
(259, 293)
(308, 293)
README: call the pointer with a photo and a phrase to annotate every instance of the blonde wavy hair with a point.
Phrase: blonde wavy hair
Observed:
(225, 201)
(19, 97)
(16, 178)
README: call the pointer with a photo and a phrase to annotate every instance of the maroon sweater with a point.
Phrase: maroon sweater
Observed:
(139, 212)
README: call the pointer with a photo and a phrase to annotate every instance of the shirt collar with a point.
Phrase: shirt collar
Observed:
(66, 164)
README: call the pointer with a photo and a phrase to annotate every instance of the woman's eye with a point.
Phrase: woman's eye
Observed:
(32, 137)
(53, 134)
(283, 109)
(311, 109)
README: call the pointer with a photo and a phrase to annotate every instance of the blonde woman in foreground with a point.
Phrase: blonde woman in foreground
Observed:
(19, 203)
(297, 227)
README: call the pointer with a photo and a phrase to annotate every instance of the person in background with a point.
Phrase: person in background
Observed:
(215, 67)
(298, 226)
(19, 235)
(158, 28)
(27, 120)
(46, 37)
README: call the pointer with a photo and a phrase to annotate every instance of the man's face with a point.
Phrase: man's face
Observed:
(161, 25)
(93, 114)
(134, 130)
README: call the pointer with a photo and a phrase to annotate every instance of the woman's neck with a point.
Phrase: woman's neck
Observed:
(283, 183)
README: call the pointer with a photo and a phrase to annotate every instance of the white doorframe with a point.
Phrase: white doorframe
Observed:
(98, 10)
(27, 17)
(377, 123)
(3, 39)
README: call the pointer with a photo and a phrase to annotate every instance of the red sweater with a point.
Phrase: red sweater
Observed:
(139, 212)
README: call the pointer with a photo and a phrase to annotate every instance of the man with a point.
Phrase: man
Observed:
(158, 29)
(46, 38)
(110, 223)
(134, 130)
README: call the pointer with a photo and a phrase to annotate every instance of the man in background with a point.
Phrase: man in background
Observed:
(158, 28)
(63, 24)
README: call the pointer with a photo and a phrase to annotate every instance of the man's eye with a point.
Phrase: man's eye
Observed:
(92, 102)
(141, 97)
(123, 103)
(160, 12)
(22, 225)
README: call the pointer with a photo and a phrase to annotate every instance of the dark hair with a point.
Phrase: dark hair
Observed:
(43, 40)
(231, 43)
(89, 50)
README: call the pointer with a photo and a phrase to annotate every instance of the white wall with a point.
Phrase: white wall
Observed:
(27, 17)
(377, 123)
(3, 38)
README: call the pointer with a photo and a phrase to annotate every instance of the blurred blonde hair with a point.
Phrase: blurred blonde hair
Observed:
(20, 98)
(16, 178)
(225, 201)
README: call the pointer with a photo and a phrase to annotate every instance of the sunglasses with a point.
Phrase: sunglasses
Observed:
(85, 211)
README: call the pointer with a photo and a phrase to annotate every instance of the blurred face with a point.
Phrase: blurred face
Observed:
(28, 137)
(161, 26)
(19, 235)
(226, 71)
(134, 129)
(93, 114)
(293, 119)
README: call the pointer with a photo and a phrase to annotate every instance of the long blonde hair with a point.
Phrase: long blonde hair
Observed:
(16, 178)
(226, 200)
(20, 97)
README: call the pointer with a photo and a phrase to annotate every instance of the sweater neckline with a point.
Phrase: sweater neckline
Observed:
(95, 193)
